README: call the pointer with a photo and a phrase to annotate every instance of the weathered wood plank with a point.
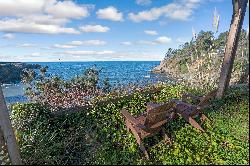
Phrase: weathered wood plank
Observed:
(8, 133)
(154, 121)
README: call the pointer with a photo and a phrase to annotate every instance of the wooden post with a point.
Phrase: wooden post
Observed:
(239, 7)
(8, 133)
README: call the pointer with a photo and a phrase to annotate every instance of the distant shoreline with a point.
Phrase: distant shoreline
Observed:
(11, 72)
(80, 61)
(119, 73)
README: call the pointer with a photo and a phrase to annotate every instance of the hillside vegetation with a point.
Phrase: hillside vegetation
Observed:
(99, 136)
(198, 62)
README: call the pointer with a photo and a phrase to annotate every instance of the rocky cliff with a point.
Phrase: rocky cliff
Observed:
(11, 72)
(198, 62)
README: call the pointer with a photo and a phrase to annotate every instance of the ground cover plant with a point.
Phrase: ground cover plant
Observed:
(98, 135)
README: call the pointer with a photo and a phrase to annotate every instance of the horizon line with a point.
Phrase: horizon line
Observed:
(80, 61)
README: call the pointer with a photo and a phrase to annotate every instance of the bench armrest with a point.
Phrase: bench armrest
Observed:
(193, 108)
(185, 96)
(134, 121)
(129, 117)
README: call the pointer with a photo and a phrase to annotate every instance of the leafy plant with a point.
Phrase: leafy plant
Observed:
(58, 93)
(198, 63)
(99, 136)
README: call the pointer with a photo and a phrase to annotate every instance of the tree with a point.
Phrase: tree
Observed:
(239, 9)
(204, 41)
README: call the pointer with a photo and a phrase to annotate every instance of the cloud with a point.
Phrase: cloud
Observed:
(67, 9)
(21, 26)
(75, 44)
(40, 16)
(44, 19)
(94, 28)
(150, 32)
(162, 40)
(61, 9)
(36, 57)
(8, 36)
(64, 46)
(178, 10)
(109, 13)
(136, 55)
(35, 54)
(84, 52)
(157, 41)
(21, 7)
(94, 42)
(143, 2)
(27, 45)
(126, 43)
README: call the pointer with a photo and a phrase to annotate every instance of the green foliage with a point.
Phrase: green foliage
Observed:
(198, 62)
(106, 85)
(182, 66)
(99, 136)
(204, 41)
(221, 40)
(58, 93)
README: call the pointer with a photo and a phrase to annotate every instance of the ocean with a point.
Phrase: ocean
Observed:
(118, 72)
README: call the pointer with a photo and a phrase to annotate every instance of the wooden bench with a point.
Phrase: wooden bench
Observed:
(149, 123)
(190, 111)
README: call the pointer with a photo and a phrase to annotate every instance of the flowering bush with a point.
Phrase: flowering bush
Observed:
(58, 93)
(79, 91)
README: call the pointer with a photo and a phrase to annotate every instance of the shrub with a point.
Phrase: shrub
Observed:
(58, 93)
(98, 135)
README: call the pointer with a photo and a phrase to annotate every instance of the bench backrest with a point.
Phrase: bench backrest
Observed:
(207, 98)
(158, 114)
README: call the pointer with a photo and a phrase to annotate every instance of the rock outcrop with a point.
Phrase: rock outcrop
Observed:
(198, 63)
(11, 72)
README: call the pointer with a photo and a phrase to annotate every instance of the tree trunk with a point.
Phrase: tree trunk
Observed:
(239, 7)
(8, 133)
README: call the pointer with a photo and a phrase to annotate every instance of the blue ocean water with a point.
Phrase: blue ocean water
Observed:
(122, 72)
(118, 72)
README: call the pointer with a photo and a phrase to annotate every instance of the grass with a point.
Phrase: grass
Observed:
(98, 136)
(232, 114)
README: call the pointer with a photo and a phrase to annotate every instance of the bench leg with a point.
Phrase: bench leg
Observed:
(143, 149)
(190, 120)
(139, 141)
(127, 126)
(203, 118)
(173, 116)
(165, 136)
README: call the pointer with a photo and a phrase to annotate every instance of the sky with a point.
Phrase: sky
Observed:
(104, 30)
